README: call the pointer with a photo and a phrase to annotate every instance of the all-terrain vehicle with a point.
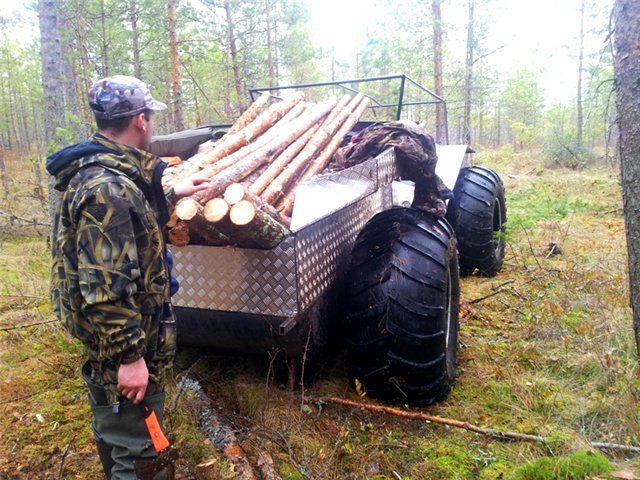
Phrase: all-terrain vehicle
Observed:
(359, 266)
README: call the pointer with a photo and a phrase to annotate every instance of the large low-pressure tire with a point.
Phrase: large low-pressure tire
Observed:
(477, 213)
(402, 295)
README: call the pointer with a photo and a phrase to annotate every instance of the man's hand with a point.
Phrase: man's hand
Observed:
(133, 379)
(189, 186)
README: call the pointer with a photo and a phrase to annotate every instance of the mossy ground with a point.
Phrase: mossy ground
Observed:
(552, 354)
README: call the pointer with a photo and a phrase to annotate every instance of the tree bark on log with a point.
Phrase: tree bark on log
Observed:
(208, 233)
(275, 168)
(180, 235)
(278, 129)
(250, 113)
(252, 162)
(256, 229)
(627, 78)
(238, 192)
(230, 143)
(218, 431)
(278, 187)
(323, 159)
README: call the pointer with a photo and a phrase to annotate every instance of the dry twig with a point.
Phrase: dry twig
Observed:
(500, 434)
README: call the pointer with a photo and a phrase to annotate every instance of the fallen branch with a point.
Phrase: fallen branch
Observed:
(499, 434)
(495, 291)
(26, 325)
(219, 431)
(64, 455)
(24, 221)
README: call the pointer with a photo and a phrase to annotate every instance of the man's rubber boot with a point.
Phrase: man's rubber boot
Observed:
(104, 451)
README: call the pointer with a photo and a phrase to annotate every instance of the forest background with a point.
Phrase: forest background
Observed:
(546, 348)
(514, 74)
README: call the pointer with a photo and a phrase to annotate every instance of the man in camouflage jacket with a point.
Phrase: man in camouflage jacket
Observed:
(110, 278)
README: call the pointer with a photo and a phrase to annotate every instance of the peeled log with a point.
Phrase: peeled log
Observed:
(250, 113)
(275, 168)
(179, 235)
(244, 167)
(255, 228)
(277, 188)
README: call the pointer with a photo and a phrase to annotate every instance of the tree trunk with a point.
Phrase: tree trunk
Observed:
(134, 14)
(176, 80)
(627, 77)
(4, 176)
(105, 43)
(468, 78)
(579, 120)
(437, 70)
(270, 66)
(233, 51)
(50, 54)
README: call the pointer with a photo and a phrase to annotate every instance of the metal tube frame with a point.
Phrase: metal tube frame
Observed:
(435, 99)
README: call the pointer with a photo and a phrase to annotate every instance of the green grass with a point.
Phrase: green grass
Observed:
(577, 466)
(552, 355)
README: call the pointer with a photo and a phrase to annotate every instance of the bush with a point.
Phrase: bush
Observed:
(562, 150)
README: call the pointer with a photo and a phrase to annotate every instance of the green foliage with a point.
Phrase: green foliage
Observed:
(577, 466)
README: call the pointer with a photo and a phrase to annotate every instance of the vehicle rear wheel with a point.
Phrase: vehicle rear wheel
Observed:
(402, 295)
(477, 213)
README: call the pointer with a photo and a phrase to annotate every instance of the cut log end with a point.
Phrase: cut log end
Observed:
(216, 209)
(187, 208)
(180, 235)
(242, 213)
(234, 193)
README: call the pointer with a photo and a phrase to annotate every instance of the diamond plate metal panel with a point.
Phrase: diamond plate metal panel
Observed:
(387, 170)
(323, 248)
(386, 193)
(237, 279)
(288, 279)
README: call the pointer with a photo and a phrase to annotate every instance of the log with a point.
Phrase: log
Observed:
(234, 193)
(187, 208)
(231, 143)
(275, 168)
(215, 210)
(180, 234)
(276, 130)
(237, 191)
(219, 431)
(250, 113)
(247, 165)
(277, 188)
(207, 233)
(258, 229)
(323, 159)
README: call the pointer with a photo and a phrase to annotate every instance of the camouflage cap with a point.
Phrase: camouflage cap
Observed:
(121, 96)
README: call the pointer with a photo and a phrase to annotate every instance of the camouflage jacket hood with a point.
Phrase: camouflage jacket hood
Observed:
(110, 279)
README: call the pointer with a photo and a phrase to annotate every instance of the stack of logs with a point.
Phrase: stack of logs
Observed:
(253, 171)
